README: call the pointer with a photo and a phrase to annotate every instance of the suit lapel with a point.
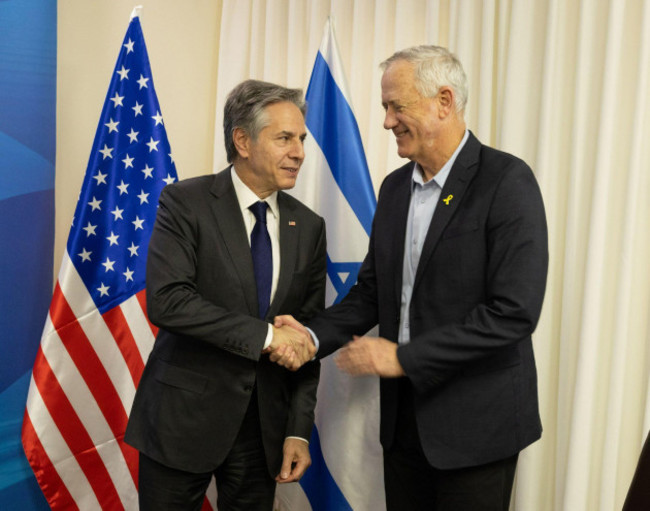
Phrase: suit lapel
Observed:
(226, 211)
(460, 176)
(289, 227)
(399, 211)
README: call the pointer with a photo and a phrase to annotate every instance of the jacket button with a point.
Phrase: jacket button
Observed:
(248, 388)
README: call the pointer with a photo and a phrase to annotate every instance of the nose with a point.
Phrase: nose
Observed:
(297, 151)
(390, 121)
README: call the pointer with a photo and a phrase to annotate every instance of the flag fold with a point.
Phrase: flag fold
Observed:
(97, 336)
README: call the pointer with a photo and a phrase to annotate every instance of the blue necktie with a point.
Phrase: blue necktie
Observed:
(262, 257)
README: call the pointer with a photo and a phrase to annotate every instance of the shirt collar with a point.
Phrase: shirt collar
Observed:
(441, 177)
(246, 197)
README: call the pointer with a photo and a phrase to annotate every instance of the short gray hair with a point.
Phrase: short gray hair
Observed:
(435, 67)
(245, 109)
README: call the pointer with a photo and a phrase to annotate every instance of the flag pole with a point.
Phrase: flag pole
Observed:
(135, 13)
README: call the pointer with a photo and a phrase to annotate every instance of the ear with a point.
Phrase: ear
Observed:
(242, 142)
(446, 100)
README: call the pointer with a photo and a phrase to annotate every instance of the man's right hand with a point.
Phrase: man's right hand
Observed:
(291, 345)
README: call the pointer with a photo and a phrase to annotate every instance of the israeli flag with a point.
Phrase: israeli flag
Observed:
(347, 463)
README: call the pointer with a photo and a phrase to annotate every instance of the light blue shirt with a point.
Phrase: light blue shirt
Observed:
(424, 198)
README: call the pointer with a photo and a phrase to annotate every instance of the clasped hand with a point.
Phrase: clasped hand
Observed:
(291, 346)
(362, 356)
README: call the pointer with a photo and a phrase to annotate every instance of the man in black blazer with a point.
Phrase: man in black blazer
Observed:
(210, 402)
(455, 277)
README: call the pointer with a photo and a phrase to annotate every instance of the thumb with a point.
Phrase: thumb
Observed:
(285, 471)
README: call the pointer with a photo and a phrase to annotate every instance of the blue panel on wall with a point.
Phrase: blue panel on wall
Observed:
(26, 240)
(27, 156)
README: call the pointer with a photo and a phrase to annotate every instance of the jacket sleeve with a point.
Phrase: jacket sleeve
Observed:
(305, 380)
(513, 285)
(173, 300)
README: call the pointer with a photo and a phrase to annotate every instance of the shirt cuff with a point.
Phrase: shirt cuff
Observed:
(269, 337)
(299, 438)
(314, 338)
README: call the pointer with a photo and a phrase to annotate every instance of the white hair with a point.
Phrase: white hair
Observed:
(435, 67)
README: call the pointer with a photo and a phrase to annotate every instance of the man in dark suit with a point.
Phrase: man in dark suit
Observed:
(455, 277)
(222, 263)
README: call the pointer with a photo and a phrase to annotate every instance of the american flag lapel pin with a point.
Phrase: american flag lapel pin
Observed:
(292, 223)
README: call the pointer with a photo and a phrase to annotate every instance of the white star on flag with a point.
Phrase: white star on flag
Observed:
(112, 126)
(107, 152)
(85, 255)
(142, 82)
(101, 178)
(124, 73)
(95, 204)
(158, 118)
(133, 136)
(153, 144)
(117, 100)
(90, 229)
(97, 336)
(147, 170)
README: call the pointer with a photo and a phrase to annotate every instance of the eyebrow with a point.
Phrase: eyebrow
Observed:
(292, 134)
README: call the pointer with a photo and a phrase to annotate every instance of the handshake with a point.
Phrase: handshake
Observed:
(292, 345)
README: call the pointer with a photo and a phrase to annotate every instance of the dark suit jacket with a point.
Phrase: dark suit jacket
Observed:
(476, 300)
(201, 292)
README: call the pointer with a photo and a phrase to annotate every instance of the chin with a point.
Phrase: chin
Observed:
(402, 153)
(288, 184)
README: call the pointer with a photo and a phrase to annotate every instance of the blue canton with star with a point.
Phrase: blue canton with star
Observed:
(129, 165)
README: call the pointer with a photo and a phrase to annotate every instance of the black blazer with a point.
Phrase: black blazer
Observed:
(477, 297)
(201, 292)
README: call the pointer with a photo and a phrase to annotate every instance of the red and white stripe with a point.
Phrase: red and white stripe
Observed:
(81, 391)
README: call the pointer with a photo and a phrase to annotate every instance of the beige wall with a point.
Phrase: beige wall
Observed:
(182, 40)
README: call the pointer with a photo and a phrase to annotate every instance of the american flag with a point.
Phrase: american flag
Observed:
(97, 335)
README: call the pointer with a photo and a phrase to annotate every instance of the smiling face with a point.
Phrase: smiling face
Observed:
(272, 161)
(414, 120)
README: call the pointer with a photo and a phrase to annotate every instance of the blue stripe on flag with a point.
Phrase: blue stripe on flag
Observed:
(318, 484)
(342, 147)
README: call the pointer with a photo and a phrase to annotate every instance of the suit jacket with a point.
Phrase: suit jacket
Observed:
(476, 300)
(206, 360)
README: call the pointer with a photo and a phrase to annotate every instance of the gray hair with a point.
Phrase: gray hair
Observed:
(245, 109)
(435, 67)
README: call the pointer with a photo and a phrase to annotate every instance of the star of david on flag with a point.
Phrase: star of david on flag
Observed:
(346, 471)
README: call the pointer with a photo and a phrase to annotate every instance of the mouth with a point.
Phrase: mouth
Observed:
(400, 133)
(291, 170)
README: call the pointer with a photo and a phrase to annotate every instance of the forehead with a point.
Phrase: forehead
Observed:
(284, 116)
(398, 81)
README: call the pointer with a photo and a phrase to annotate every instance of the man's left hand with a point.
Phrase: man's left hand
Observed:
(370, 355)
(295, 460)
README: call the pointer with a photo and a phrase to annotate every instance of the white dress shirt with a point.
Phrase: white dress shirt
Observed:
(246, 197)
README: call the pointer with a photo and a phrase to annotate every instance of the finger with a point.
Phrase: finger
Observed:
(277, 353)
(293, 323)
(287, 360)
(285, 470)
(294, 364)
(300, 468)
(341, 359)
(285, 319)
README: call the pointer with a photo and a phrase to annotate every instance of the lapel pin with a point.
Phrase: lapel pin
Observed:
(448, 199)
(292, 223)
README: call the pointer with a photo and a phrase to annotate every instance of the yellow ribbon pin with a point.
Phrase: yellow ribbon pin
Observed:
(448, 199)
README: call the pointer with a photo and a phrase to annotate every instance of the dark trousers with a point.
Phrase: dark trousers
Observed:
(638, 496)
(412, 483)
(243, 480)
